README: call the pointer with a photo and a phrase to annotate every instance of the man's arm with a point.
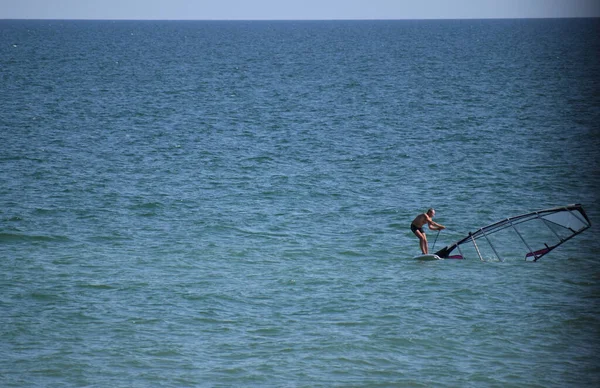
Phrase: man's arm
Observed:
(434, 225)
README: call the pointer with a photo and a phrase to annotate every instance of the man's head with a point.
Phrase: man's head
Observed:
(431, 212)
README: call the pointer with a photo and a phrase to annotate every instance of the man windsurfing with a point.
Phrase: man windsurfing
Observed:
(417, 228)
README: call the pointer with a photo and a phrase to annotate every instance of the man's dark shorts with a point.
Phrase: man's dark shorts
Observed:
(414, 229)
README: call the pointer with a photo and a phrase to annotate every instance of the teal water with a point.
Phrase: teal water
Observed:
(228, 203)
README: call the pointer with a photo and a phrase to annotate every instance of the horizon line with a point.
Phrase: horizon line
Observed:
(302, 20)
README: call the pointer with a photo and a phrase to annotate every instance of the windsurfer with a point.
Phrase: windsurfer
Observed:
(417, 228)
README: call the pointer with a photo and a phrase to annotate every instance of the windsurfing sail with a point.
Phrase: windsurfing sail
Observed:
(533, 234)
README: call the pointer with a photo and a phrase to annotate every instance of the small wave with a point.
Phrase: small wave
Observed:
(147, 206)
(96, 286)
(47, 211)
(113, 238)
(12, 158)
(43, 296)
(260, 159)
(349, 253)
(10, 237)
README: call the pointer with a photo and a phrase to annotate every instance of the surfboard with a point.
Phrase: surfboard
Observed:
(427, 257)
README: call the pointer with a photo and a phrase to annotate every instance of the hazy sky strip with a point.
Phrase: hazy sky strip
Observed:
(295, 9)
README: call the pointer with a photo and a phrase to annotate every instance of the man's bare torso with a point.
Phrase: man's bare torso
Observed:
(420, 220)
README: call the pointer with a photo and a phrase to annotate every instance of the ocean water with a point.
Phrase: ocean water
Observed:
(228, 203)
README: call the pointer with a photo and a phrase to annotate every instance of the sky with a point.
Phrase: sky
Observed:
(295, 9)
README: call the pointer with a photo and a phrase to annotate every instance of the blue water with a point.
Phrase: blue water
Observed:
(228, 203)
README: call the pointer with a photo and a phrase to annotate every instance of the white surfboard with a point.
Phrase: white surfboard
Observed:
(427, 257)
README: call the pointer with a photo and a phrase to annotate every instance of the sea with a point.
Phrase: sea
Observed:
(227, 203)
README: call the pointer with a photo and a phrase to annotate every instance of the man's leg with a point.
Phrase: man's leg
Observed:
(422, 241)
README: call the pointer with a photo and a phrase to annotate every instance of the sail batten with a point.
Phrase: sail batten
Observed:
(560, 224)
